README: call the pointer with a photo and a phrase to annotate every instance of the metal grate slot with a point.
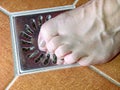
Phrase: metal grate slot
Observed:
(46, 61)
(26, 49)
(39, 58)
(34, 24)
(40, 20)
(25, 35)
(25, 42)
(54, 59)
(28, 29)
(33, 54)
(48, 17)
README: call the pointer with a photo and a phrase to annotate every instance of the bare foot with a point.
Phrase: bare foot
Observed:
(85, 35)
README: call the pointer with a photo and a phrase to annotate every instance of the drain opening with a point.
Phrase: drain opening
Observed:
(28, 29)
(54, 60)
(38, 59)
(34, 24)
(40, 20)
(26, 49)
(46, 61)
(25, 35)
(48, 17)
(33, 54)
(25, 42)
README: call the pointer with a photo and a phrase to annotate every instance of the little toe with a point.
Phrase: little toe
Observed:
(54, 43)
(62, 51)
(73, 57)
(86, 61)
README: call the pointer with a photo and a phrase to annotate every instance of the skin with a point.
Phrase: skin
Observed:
(86, 35)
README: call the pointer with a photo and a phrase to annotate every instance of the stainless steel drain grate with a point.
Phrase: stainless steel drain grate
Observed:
(25, 27)
(28, 28)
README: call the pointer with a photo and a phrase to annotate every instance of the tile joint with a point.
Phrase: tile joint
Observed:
(11, 83)
(104, 75)
(5, 11)
(75, 2)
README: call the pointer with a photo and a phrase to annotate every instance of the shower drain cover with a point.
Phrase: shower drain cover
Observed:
(25, 27)
(28, 28)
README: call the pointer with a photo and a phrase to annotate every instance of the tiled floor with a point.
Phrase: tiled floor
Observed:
(80, 78)
(20, 5)
(6, 59)
(112, 68)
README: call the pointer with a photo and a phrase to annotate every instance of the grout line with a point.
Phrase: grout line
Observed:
(11, 83)
(5, 11)
(105, 75)
(75, 2)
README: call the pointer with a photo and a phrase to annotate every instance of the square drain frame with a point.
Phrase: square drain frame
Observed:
(25, 27)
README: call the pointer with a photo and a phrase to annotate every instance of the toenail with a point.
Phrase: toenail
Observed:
(42, 43)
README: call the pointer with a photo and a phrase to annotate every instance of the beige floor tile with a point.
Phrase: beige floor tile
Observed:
(21, 5)
(112, 68)
(80, 78)
(6, 60)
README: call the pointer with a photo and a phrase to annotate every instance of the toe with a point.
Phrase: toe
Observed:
(73, 57)
(54, 43)
(59, 61)
(86, 61)
(62, 51)
(48, 30)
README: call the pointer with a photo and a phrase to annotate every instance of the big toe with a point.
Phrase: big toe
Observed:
(47, 31)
